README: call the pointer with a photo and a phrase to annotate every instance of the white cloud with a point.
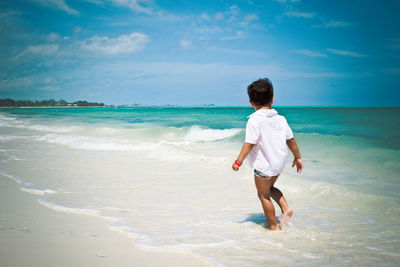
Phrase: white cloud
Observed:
(228, 24)
(210, 29)
(48, 80)
(52, 37)
(205, 16)
(219, 15)
(234, 9)
(123, 44)
(19, 82)
(167, 71)
(60, 4)
(34, 81)
(250, 17)
(230, 14)
(295, 14)
(309, 53)
(238, 35)
(97, 2)
(333, 24)
(41, 49)
(49, 88)
(141, 6)
(242, 52)
(44, 49)
(345, 53)
(185, 44)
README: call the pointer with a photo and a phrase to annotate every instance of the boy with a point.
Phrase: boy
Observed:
(267, 137)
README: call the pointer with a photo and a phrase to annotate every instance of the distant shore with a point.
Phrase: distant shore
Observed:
(8, 102)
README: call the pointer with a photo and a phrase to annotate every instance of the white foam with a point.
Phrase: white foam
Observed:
(7, 118)
(112, 209)
(81, 142)
(9, 137)
(124, 230)
(83, 211)
(27, 186)
(60, 208)
(176, 155)
(45, 128)
(37, 191)
(160, 149)
(7, 157)
(16, 179)
(18, 123)
(198, 134)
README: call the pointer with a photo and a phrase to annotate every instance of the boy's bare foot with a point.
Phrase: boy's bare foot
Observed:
(286, 215)
(275, 228)
(288, 212)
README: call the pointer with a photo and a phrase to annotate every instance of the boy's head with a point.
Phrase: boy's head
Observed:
(261, 92)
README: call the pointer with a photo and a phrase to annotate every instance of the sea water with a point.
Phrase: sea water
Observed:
(162, 176)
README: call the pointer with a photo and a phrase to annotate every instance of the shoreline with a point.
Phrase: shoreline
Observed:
(34, 235)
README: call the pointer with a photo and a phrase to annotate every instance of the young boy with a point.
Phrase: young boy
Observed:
(267, 137)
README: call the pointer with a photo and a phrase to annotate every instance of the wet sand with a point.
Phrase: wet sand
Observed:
(33, 235)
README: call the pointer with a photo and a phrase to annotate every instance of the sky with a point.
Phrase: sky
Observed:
(184, 52)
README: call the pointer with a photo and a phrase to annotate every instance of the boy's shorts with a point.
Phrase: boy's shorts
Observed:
(262, 175)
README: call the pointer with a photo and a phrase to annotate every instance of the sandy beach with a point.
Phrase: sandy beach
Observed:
(33, 235)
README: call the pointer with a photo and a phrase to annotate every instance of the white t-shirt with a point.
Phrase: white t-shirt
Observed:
(269, 132)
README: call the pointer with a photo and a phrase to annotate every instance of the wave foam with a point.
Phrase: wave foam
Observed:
(16, 179)
(83, 211)
(8, 137)
(27, 186)
(38, 191)
(81, 142)
(124, 230)
(17, 123)
(198, 134)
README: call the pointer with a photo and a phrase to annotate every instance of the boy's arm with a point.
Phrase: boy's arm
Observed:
(247, 147)
(291, 143)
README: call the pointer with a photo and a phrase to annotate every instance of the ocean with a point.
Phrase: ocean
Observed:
(162, 176)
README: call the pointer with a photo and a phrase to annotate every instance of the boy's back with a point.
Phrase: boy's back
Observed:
(268, 131)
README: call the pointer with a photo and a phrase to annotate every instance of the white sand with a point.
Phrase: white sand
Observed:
(33, 235)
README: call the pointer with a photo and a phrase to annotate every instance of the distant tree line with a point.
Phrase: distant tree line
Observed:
(8, 102)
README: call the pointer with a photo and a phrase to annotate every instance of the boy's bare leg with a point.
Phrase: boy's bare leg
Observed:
(277, 195)
(287, 211)
(263, 189)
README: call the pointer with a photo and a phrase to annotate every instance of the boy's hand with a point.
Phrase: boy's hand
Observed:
(299, 164)
(235, 167)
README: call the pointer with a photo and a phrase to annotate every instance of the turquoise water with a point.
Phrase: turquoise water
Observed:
(162, 175)
(370, 136)
(380, 125)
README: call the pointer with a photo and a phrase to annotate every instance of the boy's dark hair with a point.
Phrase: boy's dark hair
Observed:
(261, 92)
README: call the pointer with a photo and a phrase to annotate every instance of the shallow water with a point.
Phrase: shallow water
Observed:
(162, 176)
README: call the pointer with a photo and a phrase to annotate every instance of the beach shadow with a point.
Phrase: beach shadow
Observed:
(258, 218)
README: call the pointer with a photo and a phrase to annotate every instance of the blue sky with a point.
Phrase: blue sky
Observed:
(201, 52)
